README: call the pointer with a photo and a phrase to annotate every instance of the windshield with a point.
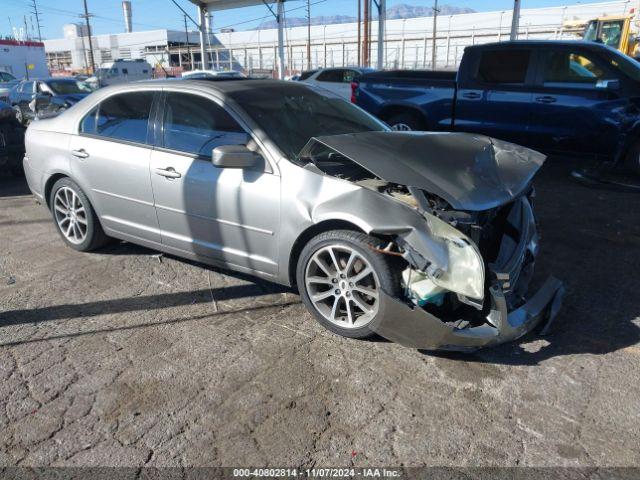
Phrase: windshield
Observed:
(291, 115)
(627, 65)
(67, 87)
(609, 32)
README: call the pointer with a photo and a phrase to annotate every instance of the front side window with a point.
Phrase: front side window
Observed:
(195, 125)
(350, 76)
(122, 117)
(507, 66)
(565, 66)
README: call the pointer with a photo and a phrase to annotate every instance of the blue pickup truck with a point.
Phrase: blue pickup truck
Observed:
(568, 97)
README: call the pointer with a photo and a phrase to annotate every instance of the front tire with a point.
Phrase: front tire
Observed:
(340, 278)
(74, 217)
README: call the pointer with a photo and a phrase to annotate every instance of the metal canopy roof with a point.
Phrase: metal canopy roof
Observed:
(213, 5)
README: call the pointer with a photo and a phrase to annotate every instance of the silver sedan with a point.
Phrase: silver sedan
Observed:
(427, 239)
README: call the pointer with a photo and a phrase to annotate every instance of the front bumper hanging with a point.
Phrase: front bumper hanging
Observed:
(415, 328)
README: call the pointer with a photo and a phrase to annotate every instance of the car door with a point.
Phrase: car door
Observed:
(576, 101)
(333, 80)
(229, 215)
(110, 158)
(494, 96)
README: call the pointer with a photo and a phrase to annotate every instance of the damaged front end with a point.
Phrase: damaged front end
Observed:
(468, 268)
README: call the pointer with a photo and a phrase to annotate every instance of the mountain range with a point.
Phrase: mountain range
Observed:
(393, 13)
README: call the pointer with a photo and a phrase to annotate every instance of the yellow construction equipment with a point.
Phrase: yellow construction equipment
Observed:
(619, 32)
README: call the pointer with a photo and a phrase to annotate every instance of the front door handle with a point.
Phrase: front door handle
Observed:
(546, 99)
(471, 95)
(169, 172)
(82, 153)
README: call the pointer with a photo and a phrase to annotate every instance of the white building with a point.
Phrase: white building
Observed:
(22, 59)
(71, 53)
(408, 42)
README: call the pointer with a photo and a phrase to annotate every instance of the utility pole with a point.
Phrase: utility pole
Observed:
(37, 14)
(86, 17)
(186, 32)
(26, 28)
(515, 22)
(434, 56)
(359, 32)
(308, 34)
(382, 22)
(365, 41)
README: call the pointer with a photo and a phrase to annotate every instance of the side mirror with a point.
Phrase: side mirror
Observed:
(234, 156)
(608, 84)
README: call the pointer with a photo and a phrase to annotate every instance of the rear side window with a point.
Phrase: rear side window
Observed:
(122, 117)
(334, 76)
(195, 125)
(307, 74)
(504, 66)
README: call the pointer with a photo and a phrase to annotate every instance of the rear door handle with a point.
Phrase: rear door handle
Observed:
(471, 95)
(82, 153)
(169, 172)
(546, 99)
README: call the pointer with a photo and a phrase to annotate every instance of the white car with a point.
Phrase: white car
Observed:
(120, 71)
(203, 74)
(335, 80)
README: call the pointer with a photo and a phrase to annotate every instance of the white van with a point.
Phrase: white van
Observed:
(121, 71)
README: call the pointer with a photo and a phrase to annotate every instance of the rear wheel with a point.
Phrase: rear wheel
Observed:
(406, 122)
(75, 218)
(341, 277)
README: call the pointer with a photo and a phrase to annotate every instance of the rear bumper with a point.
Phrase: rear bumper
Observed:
(416, 328)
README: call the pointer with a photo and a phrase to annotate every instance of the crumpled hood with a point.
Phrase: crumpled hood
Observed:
(471, 172)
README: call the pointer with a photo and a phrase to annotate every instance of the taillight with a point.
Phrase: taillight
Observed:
(354, 91)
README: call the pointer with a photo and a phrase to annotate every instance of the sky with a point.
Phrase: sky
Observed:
(153, 14)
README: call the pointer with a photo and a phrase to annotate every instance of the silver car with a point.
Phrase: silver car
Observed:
(427, 239)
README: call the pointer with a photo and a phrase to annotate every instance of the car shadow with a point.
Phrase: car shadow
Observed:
(590, 239)
(11, 186)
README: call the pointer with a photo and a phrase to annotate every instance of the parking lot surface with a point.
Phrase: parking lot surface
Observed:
(127, 358)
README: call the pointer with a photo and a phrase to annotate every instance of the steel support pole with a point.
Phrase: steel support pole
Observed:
(280, 39)
(202, 12)
(382, 24)
(515, 21)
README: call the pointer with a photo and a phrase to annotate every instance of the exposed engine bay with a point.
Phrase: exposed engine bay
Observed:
(486, 250)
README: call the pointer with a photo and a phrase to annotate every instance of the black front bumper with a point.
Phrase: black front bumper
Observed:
(413, 327)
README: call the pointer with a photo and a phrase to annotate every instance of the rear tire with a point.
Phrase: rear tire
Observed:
(407, 122)
(343, 297)
(74, 217)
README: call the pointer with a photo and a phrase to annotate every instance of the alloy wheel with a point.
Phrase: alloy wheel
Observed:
(343, 286)
(71, 215)
(401, 127)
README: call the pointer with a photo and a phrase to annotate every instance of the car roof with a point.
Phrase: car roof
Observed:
(541, 44)
(222, 86)
(49, 79)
